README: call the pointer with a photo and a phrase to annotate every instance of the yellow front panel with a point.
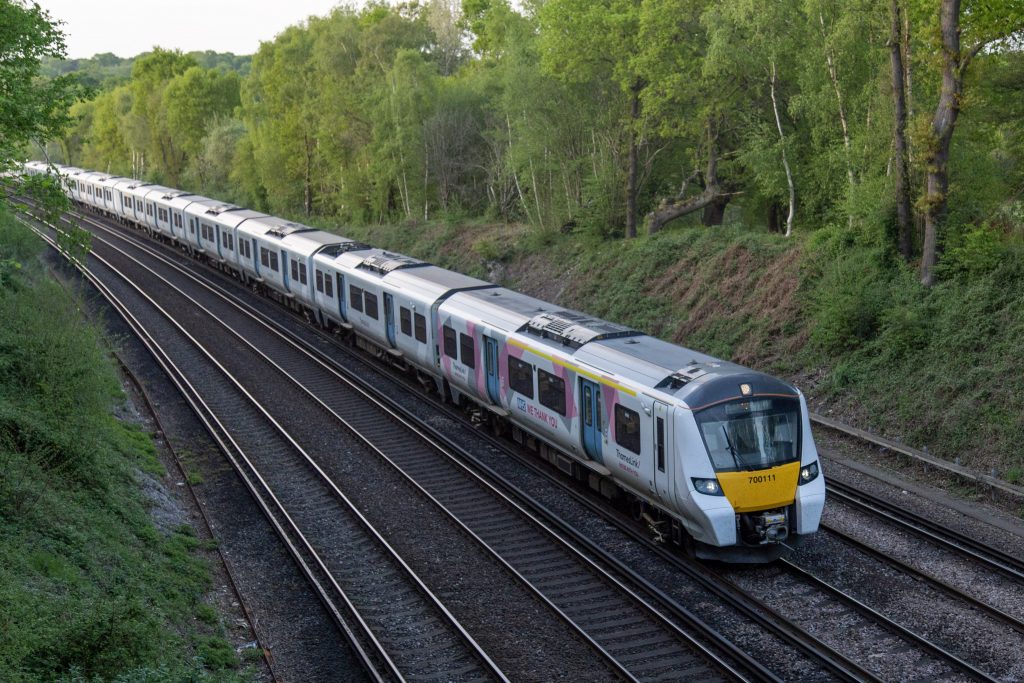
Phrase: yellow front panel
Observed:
(762, 489)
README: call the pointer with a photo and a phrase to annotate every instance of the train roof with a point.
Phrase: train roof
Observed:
(229, 216)
(129, 184)
(376, 262)
(695, 378)
(434, 282)
(152, 192)
(296, 236)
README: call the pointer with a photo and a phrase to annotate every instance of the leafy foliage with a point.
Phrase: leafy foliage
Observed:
(89, 590)
(30, 108)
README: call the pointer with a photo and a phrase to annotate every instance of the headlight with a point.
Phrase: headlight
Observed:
(809, 473)
(708, 487)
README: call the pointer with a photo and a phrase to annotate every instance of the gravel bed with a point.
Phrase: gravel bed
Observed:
(303, 643)
(976, 638)
(946, 565)
(875, 647)
(480, 593)
(752, 638)
(929, 493)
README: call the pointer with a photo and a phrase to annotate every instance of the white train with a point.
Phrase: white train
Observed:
(716, 457)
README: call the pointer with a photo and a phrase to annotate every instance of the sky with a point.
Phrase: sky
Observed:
(128, 27)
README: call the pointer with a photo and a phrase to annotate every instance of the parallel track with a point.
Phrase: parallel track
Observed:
(398, 628)
(960, 544)
(850, 671)
(830, 660)
(614, 617)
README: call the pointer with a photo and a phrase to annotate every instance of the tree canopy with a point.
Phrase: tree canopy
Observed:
(607, 117)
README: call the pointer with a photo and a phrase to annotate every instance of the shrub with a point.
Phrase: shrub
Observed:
(849, 301)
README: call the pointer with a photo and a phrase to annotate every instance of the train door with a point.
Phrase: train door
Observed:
(284, 270)
(491, 367)
(389, 317)
(340, 291)
(662, 449)
(216, 240)
(590, 418)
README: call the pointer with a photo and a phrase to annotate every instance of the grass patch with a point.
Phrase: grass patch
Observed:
(89, 589)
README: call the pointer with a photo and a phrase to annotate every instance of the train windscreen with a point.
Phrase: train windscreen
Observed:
(751, 434)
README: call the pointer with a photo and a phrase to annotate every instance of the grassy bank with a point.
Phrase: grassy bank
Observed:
(940, 368)
(90, 590)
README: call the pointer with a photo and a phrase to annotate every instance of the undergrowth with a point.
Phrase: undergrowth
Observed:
(89, 589)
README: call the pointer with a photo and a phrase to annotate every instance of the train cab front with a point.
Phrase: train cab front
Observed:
(759, 489)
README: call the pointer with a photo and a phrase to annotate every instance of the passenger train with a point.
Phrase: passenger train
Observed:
(715, 457)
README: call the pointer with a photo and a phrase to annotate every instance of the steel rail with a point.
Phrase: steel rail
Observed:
(922, 527)
(758, 670)
(480, 654)
(932, 581)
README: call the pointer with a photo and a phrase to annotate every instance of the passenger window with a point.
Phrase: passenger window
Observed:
(421, 327)
(405, 321)
(520, 377)
(451, 347)
(355, 298)
(319, 281)
(551, 391)
(295, 270)
(468, 349)
(371, 305)
(303, 276)
(328, 286)
(273, 260)
(627, 428)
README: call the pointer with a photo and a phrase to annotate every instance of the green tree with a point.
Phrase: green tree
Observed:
(147, 132)
(31, 109)
(596, 42)
(964, 30)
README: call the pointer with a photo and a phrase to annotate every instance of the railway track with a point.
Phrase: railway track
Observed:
(844, 668)
(400, 630)
(789, 636)
(638, 641)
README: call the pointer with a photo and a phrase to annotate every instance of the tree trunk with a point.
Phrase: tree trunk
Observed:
(669, 211)
(943, 124)
(833, 74)
(785, 163)
(308, 182)
(634, 116)
(714, 213)
(903, 218)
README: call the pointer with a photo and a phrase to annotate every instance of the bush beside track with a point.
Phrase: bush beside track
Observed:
(90, 590)
(848, 323)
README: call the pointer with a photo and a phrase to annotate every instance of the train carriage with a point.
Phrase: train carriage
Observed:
(174, 203)
(124, 201)
(168, 222)
(136, 192)
(708, 452)
(202, 235)
(369, 305)
(71, 181)
(282, 256)
(150, 213)
(111, 198)
(413, 295)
